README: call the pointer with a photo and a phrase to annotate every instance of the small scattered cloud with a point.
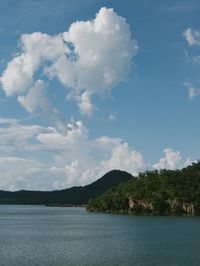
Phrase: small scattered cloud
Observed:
(192, 91)
(192, 36)
(112, 117)
(193, 39)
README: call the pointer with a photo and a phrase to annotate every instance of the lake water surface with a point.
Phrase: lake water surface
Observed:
(38, 235)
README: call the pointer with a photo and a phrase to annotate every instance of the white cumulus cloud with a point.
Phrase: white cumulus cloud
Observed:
(36, 48)
(126, 159)
(172, 160)
(37, 101)
(90, 58)
(36, 98)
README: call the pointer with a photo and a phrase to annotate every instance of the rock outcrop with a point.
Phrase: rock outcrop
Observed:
(167, 207)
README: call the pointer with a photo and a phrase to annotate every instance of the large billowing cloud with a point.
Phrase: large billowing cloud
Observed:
(36, 48)
(92, 57)
(125, 159)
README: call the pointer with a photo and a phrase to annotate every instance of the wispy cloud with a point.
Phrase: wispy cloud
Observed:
(192, 36)
(112, 117)
(193, 39)
(192, 91)
(179, 8)
(8, 121)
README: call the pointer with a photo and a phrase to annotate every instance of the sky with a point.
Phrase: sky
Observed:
(91, 86)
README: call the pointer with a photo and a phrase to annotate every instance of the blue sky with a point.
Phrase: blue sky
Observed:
(118, 89)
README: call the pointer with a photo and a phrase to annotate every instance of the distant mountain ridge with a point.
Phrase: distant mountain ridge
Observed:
(74, 195)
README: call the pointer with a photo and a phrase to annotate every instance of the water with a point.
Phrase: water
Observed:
(38, 235)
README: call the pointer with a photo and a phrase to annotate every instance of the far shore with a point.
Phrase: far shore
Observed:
(66, 205)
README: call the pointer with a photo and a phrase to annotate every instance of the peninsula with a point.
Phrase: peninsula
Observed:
(164, 192)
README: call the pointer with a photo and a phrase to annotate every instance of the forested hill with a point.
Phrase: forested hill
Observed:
(165, 192)
(74, 195)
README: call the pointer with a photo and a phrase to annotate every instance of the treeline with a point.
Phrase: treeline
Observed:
(164, 192)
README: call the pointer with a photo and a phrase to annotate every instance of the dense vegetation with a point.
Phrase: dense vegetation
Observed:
(73, 196)
(165, 192)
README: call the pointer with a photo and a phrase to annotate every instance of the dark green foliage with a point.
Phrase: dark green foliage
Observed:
(74, 195)
(162, 192)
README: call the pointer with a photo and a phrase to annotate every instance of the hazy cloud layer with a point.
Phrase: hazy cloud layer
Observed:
(74, 158)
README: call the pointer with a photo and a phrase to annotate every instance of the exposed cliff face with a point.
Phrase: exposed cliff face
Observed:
(167, 207)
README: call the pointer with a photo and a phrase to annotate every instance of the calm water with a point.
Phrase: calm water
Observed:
(37, 235)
